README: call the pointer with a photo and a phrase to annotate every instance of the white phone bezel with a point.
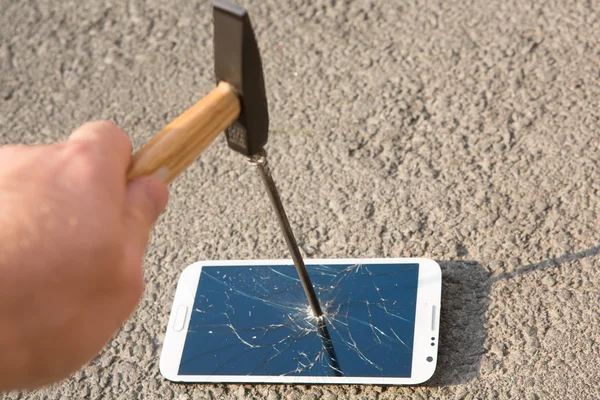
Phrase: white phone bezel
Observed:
(426, 325)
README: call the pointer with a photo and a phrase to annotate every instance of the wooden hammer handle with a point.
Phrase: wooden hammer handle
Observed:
(181, 141)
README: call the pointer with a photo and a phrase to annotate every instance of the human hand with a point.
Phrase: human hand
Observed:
(72, 239)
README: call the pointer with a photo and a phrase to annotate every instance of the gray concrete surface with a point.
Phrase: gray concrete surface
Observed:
(465, 130)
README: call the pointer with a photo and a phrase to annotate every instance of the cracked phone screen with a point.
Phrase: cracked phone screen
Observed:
(256, 320)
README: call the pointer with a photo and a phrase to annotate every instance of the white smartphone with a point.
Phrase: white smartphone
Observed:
(250, 322)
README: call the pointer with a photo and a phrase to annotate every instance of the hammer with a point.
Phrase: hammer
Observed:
(237, 105)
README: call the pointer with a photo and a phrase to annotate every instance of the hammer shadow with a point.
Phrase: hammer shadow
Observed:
(466, 287)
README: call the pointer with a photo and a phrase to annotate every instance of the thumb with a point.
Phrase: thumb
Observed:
(146, 198)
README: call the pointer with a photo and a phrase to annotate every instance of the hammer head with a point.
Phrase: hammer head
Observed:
(237, 62)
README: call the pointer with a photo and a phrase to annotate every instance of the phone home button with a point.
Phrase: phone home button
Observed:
(180, 318)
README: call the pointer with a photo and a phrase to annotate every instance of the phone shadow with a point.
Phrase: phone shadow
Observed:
(466, 286)
(465, 300)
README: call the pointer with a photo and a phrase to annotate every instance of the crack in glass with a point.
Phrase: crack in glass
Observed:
(257, 321)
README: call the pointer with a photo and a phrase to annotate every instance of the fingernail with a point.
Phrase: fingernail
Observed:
(162, 173)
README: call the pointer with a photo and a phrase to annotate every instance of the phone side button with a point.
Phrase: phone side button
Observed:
(180, 318)
(433, 318)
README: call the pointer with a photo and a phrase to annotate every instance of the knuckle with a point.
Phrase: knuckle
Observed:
(101, 126)
(103, 129)
(81, 157)
(109, 128)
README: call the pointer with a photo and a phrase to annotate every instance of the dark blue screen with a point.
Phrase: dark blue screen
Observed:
(255, 320)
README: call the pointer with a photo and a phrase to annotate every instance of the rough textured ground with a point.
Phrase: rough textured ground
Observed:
(466, 131)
